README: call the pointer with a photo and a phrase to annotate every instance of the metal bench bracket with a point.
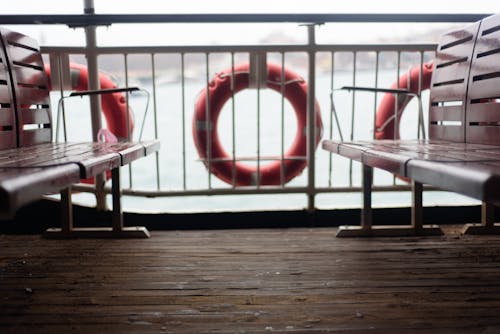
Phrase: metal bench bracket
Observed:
(67, 229)
(487, 225)
(368, 230)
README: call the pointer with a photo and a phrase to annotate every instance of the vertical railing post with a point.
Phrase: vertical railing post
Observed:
(155, 118)
(95, 100)
(311, 118)
(258, 79)
(353, 109)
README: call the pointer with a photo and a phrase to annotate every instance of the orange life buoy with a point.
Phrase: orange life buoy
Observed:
(113, 105)
(221, 163)
(384, 119)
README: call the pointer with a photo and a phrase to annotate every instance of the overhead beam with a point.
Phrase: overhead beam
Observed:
(76, 20)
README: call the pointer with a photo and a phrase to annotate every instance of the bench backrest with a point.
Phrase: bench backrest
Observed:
(448, 96)
(483, 101)
(8, 125)
(465, 86)
(25, 91)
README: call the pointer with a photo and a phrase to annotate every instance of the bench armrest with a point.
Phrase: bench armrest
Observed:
(393, 91)
(104, 91)
(98, 92)
(379, 90)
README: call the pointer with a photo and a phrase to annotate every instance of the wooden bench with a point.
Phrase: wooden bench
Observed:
(31, 165)
(463, 151)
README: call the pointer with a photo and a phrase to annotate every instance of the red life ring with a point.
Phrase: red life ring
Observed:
(219, 92)
(113, 105)
(384, 119)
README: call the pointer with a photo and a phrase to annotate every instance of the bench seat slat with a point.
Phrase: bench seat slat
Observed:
(56, 156)
(477, 166)
(410, 153)
(151, 146)
(93, 158)
(474, 179)
(128, 151)
(395, 156)
(389, 161)
(37, 149)
(352, 151)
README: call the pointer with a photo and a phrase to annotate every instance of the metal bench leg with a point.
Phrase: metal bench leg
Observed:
(487, 215)
(417, 212)
(117, 215)
(487, 225)
(66, 211)
(116, 231)
(116, 192)
(366, 211)
(66, 217)
(366, 228)
(417, 207)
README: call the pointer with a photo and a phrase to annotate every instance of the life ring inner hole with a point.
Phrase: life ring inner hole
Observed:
(270, 124)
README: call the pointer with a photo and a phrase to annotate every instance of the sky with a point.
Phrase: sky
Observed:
(235, 34)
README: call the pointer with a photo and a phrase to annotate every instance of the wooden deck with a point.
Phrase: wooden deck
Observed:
(250, 281)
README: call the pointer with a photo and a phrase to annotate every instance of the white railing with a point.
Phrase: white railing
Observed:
(174, 76)
(339, 109)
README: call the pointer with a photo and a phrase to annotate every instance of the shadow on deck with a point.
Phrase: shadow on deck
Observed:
(38, 216)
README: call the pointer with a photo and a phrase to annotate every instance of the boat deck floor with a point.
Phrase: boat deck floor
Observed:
(295, 280)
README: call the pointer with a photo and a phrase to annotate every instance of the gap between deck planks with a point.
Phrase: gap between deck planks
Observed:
(252, 281)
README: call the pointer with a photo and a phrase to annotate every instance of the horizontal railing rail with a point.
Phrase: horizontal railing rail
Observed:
(396, 47)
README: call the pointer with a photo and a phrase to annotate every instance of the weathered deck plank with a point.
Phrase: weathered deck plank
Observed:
(253, 281)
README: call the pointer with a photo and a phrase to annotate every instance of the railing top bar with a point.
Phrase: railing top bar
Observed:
(76, 20)
(241, 48)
